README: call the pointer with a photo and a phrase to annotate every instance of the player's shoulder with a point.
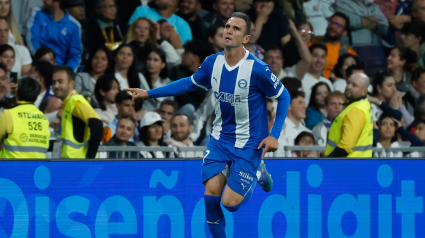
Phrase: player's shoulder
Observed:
(259, 66)
(211, 58)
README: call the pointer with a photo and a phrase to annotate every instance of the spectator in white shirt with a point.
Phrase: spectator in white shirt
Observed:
(318, 13)
(181, 127)
(313, 76)
(294, 123)
(22, 55)
(105, 90)
(126, 68)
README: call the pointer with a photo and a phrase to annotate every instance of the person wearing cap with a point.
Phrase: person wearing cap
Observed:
(81, 128)
(192, 58)
(152, 134)
(126, 108)
(24, 129)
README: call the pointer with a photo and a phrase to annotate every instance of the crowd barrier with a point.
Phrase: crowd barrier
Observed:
(156, 198)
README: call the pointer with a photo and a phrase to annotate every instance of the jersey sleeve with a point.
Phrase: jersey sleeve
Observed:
(202, 77)
(268, 83)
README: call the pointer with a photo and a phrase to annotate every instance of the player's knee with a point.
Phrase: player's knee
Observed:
(214, 189)
(232, 205)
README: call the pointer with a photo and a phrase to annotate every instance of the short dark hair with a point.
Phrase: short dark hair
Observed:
(182, 114)
(303, 134)
(379, 79)
(42, 51)
(318, 46)
(111, 62)
(291, 84)
(416, 75)
(340, 63)
(196, 48)
(345, 17)
(45, 69)
(296, 94)
(28, 89)
(68, 70)
(212, 30)
(408, 55)
(6, 47)
(103, 83)
(169, 102)
(274, 48)
(122, 96)
(244, 17)
(416, 28)
(349, 71)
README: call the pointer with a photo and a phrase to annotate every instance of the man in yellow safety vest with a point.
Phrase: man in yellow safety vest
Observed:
(24, 129)
(351, 133)
(81, 128)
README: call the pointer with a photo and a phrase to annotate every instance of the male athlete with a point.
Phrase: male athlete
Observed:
(241, 83)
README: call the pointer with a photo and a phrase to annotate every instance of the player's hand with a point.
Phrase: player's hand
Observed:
(270, 144)
(137, 93)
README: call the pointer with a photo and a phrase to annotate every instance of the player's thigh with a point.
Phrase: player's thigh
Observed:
(231, 198)
(214, 186)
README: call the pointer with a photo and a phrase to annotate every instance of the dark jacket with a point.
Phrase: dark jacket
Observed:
(114, 141)
(95, 36)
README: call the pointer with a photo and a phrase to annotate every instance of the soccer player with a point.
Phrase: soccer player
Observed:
(241, 83)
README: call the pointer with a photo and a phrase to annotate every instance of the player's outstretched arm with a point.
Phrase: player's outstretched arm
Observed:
(137, 93)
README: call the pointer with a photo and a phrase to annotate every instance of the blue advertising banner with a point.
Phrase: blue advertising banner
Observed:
(310, 198)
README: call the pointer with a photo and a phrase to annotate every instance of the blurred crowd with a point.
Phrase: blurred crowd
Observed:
(97, 48)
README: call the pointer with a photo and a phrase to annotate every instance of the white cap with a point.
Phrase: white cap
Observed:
(149, 119)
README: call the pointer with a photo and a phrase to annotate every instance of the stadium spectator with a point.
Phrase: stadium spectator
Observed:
(168, 33)
(50, 107)
(126, 108)
(42, 71)
(307, 32)
(420, 131)
(77, 114)
(318, 13)
(223, 9)
(389, 129)
(152, 134)
(351, 133)
(188, 10)
(334, 104)
(418, 10)
(294, 123)
(47, 54)
(305, 138)
(53, 27)
(418, 83)
(158, 10)
(181, 127)
(5, 87)
(104, 28)
(24, 137)
(367, 22)
(125, 131)
(7, 57)
(344, 61)
(337, 28)
(316, 111)
(292, 84)
(155, 77)
(144, 36)
(22, 55)
(293, 10)
(6, 13)
(192, 58)
(215, 38)
(105, 91)
(253, 47)
(419, 114)
(274, 57)
(125, 67)
(412, 37)
(271, 25)
(291, 51)
(313, 76)
(99, 63)
(167, 110)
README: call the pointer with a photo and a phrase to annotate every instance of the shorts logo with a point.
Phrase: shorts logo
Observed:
(243, 186)
(246, 176)
(242, 83)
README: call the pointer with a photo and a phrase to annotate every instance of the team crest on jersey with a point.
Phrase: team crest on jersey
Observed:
(242, 83)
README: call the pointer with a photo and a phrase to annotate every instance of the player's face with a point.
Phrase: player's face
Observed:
(180, 128)
(234, 33)
(125, 129)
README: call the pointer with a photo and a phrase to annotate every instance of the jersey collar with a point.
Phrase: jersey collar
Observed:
(238, 64)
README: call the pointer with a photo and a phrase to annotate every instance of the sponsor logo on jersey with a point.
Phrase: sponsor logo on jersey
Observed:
(234, 100)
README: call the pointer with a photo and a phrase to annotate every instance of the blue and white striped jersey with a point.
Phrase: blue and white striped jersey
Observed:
(241, 91)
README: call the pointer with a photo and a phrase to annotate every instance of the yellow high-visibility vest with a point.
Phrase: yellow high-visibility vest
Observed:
(30, 136)
(363, 147)
(71, 148)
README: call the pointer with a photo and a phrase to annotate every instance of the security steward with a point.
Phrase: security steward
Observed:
(24, 129)
(81, 128)
(351, 133)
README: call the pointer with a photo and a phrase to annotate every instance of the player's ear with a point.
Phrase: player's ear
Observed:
(246, 39)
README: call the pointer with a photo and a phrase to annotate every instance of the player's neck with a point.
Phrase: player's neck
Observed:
(234, 55)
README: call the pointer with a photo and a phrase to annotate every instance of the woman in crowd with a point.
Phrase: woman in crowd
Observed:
(105, 91)
(215, 39)
(47, 54)
(100, 62)
(316, 112)
(306, 31)
(125, 131)
(389, 132)
(7, 57)
(126, 69)
(151, 133)
(155, 77)
(144, 36)
(305, 138)
(387, 99)
(6, 13)
(344, 61)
